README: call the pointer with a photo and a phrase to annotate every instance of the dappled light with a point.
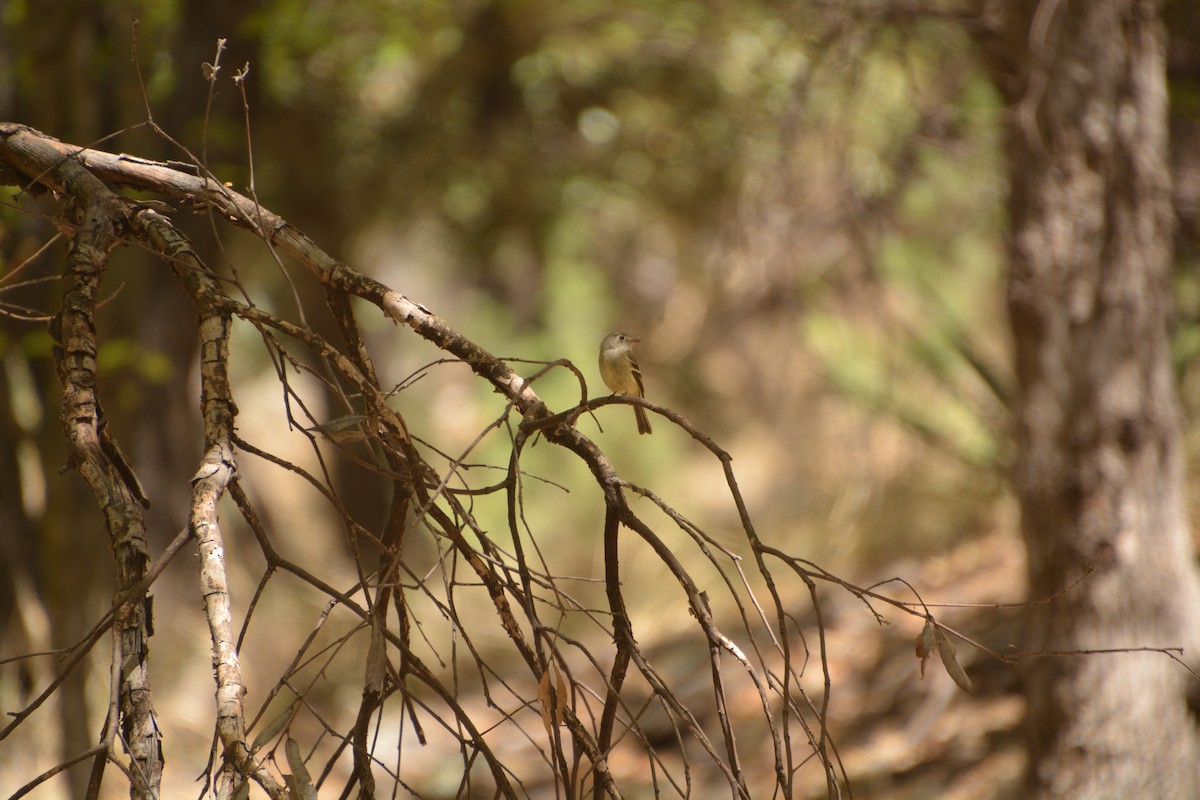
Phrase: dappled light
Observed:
(315, 485)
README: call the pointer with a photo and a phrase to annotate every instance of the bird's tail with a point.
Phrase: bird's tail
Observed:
(643, 420)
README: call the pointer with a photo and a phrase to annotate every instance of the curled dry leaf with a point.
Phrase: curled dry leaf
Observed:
(552, 711)
(945, 648)
(925, 645)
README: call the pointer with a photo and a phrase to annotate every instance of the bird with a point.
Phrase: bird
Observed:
(620, 372)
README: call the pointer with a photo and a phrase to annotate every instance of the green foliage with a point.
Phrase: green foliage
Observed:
(923, 150)
(151, 365)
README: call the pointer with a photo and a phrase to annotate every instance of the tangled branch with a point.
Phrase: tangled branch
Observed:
(572, 701)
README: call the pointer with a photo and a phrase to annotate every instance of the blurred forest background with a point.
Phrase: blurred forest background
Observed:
(797, 207)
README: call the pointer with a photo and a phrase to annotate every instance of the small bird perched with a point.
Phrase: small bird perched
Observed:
(620, 372)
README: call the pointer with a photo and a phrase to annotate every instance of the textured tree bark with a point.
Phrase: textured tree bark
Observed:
(1099, 472)
(94, 453)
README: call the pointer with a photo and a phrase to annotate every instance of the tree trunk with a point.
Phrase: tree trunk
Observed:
(1099, 472)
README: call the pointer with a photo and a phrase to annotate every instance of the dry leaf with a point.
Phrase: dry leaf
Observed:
(925, 645)
(278, 724)
(544, 697)
(376, 658)
(945, 648)
(301, 780)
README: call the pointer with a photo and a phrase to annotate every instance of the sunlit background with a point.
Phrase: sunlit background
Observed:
(797, 207)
